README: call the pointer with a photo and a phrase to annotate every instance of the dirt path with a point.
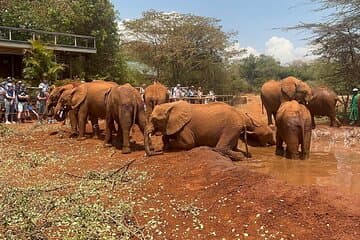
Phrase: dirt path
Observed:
(197, 194)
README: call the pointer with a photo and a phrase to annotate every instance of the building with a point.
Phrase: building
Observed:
(68, 49)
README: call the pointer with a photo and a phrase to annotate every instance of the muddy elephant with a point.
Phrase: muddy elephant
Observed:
(323, 103)
(273, 93)
(155, 94)
(56, 93)
(87, 100)
(124, 106)
(261, 136)
(185, 126)
(293, 126)
(52, 100)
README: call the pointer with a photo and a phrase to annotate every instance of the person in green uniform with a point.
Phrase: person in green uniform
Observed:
(354, 111)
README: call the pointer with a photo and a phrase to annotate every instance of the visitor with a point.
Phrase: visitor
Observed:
(41, 98)
(354, 111)
(2, 100)
(23, 98)
(44, 85)
(10, 104)
(210, 97)
(199, 94)
(177, 92)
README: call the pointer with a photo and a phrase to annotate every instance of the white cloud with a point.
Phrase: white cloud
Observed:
(248, 50)
(284, 51)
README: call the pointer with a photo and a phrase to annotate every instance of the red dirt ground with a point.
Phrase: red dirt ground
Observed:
(200, 194)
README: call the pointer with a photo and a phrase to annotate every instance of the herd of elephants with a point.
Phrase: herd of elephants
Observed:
(183, 125)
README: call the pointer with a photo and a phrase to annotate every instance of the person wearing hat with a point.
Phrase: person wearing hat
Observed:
(23, 98)
(2, 100)
(9, 104)
(354, 110)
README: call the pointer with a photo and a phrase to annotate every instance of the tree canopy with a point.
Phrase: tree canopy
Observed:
(338, 41)
(39, 63)
(87, 17)
(182, 48)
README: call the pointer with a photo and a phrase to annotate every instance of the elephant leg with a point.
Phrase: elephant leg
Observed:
(126, 122)
(227, 143)
(183, 140)
(126, 141)
(269, 117)
(108, 130)
(334, 120)
(82, 118)
(73, 123)
(279, 144)
(305, 146)
(292, 148)
(95, 126)
(166, 142)
(313, 121)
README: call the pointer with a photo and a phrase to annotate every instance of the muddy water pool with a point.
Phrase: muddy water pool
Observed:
(334, 161)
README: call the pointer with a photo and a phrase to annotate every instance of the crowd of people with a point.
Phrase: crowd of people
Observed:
(16, 103)
(192, 94)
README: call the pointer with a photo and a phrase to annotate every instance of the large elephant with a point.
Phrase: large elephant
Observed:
(155, 94)
(185, 126)
(273, 93)
(88, 102)
(52, 100)
(124, 106)
(323, 103)
(293, 126)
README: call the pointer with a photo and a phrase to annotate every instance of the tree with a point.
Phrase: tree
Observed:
(338, 41)
(182, 48)
(87, 17)
(39, 64)
(255, 70)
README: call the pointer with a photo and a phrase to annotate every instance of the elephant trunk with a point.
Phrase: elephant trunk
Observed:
(147, 143)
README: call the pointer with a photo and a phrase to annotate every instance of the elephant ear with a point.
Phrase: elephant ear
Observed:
(179, 115)
(288, 88)
(78, 96)
(107, 94)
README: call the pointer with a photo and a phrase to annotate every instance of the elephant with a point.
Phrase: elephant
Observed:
(273, 93)
(323, 103)
(185, 126)
(52, 100)
(155, 94)
(293, 126)
(261, 136)
(124, 106)
(88, 102)
(56, 93)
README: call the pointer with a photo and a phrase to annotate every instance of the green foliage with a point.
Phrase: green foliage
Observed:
(73, 211)
(39, 63)
(181, 48)
(87, 17)
(337, 41)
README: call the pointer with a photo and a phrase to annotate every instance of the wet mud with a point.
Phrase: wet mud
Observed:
(334, 158)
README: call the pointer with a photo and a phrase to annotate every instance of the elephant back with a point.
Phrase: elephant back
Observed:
(270, 95)
(156, 92)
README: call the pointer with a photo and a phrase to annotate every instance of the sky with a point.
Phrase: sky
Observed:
(257, 22)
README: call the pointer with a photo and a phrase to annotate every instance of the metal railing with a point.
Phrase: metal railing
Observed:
(205, 99)
(23, 35)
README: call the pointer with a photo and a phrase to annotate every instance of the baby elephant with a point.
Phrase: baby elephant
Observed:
(293, 126)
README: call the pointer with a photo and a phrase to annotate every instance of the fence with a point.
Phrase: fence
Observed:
(206, 99)
(52, 39)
